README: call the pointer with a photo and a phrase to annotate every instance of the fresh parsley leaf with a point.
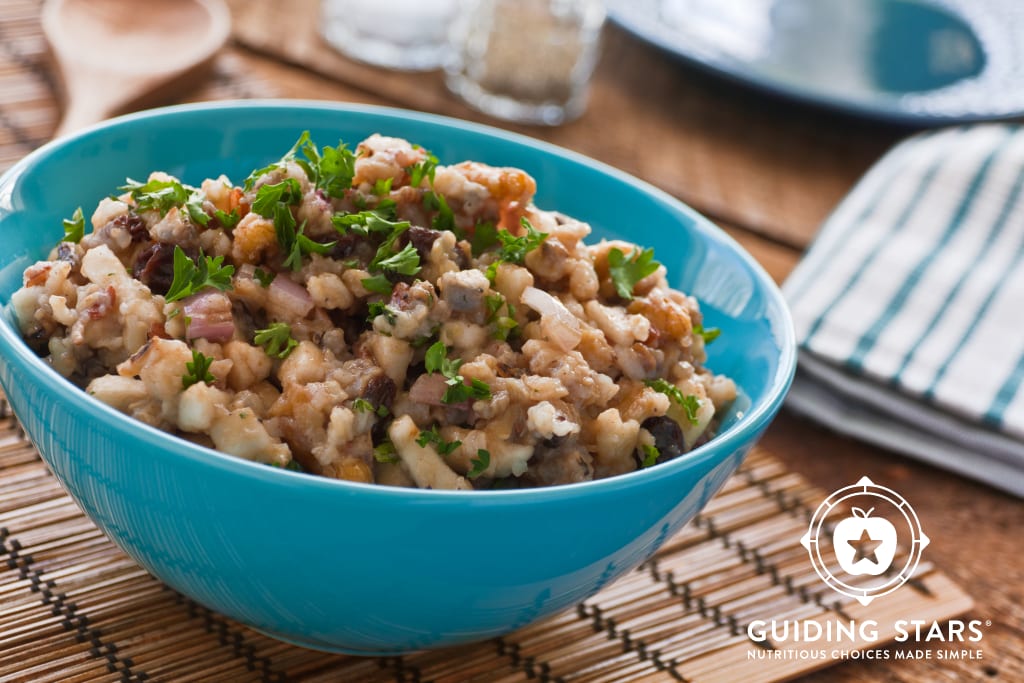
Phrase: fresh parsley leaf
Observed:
(423, 169)
(289, 156)
(268, 197)
(276, 340)
(667, 388)
(275, 201)
(690, 404)
(361, 405)
(382, 187)
(503, 325)
(480, 463)
(385, 453)
(156, 195)
(190, 277)
(364, 223)
(198, 370)
(445, 218)
(458, 391)
(514, 249)
(378, 284)
(74, 228)
(263, 277)
(493, 303)
(228, 220)
(709, 335)
(485, 236)
(626, 272)
(405, 262)
(432, 436)
(380, 308)
(330, 169)
(194, 206)
(651, 455)
(436, 360)
(437, 356)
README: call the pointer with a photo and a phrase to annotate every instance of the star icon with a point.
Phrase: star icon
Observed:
(865, 547)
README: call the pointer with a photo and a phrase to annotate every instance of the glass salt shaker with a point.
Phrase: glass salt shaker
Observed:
(528, 61)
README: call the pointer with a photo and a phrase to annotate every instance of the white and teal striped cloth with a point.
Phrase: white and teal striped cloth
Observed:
(909, 306)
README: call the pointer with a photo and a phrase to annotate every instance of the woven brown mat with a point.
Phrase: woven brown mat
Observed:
(73, 607)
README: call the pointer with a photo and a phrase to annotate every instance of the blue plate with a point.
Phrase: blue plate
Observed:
(351, 567)
(920, 62)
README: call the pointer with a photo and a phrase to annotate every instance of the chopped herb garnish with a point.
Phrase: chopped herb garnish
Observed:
(228, 220)
(424, 169)
(437, 360)
(493, 303)
(156, 195)
(287, 192)
(514, 249)
(503, 325)
(626, 272)
(382, 187)
(708, 335)
(405, 262)
(198, 370)
(361, 405)
(432, 436)
(385, 453)
(294, 466)
(480, 463)
(190, 278)
(194, 206)
(380, 308)
(378, 284)
(651, 454)
(263, 277)
(289, 156)
(74, 227)
(485, 236)
(691, 404)
(364, 223)
(276, 340)
(445, 218)
(330, 169)
(275, 201)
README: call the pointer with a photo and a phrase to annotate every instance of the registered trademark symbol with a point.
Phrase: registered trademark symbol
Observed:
(988, 622)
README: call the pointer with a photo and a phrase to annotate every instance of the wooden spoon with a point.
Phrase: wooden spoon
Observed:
(118, 55)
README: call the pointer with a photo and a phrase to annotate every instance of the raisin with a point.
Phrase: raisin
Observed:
(422, 239)
(135, 226)
(668, 436)
(154, 267)
(380, 391)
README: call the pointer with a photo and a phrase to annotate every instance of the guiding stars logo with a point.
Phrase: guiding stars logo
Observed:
(864, 544)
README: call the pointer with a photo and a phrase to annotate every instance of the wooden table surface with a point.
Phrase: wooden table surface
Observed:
(766, 171)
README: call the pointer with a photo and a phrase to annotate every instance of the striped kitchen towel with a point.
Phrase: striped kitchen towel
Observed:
(909, 306)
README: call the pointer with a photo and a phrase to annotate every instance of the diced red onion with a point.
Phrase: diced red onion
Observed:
(560, 326)
(290, 296)
(209, 317)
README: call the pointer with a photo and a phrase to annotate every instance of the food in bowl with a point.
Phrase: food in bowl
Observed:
(374, 316)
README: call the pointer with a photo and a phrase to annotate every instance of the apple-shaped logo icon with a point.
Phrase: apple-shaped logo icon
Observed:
(864, 544)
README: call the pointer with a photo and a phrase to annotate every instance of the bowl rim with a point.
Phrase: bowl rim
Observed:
(745, 429)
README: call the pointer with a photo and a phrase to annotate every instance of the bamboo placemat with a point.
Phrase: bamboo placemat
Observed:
(73, 607)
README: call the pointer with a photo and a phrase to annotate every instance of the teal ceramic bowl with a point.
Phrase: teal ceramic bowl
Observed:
(348, 567)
